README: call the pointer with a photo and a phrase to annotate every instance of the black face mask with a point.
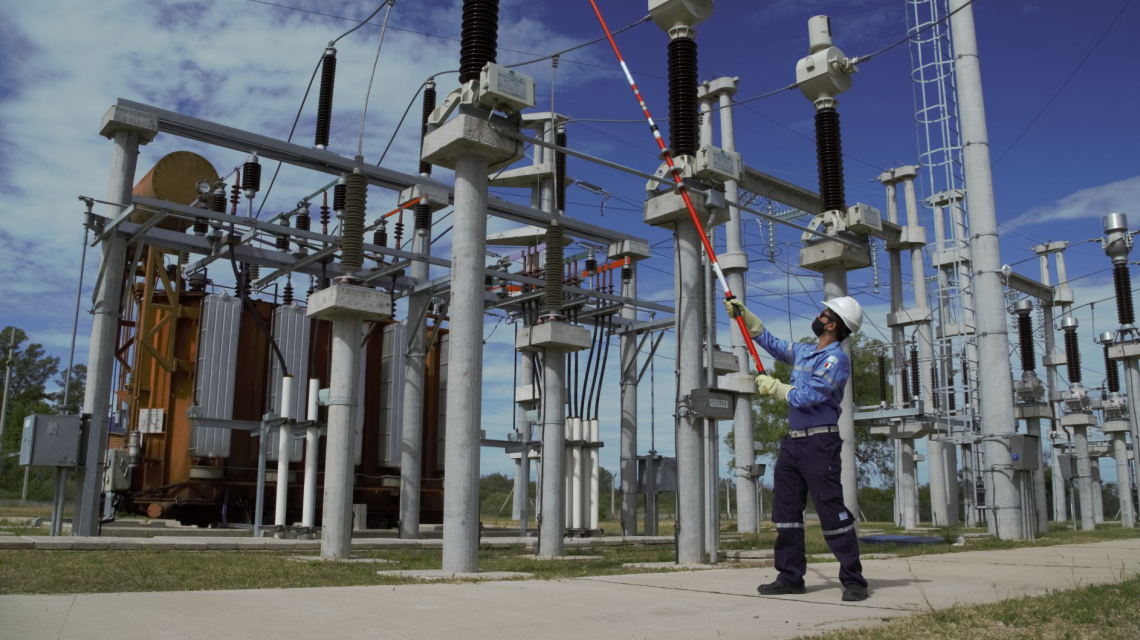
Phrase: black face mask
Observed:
(817, 327)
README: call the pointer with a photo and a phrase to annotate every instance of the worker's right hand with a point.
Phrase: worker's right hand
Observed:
(736, 308)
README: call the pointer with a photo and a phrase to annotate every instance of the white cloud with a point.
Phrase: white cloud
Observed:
(1092, 202)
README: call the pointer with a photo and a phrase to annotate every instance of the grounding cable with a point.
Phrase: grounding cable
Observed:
(368, 92)
(305, 98)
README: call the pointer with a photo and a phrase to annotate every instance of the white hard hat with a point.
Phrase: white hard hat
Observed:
(848, 310)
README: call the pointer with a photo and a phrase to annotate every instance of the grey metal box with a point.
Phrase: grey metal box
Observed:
(1068, 464)
(666, 474)
(712, 404)
(50, 441)
(1025, 451)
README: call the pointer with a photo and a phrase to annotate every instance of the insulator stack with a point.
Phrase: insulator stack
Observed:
(829, 154)
(935, 396)
(218, 200)
(287, 295)
(423, 216)
(560, 169)
(684, 138)
(283, 239)
(201, 226)
(1025, 338)
(399, 234)
(480, 38)
(235, 193)
(339, 192)
(380, 235)
(325, 283)
(626, 274)
(1122, 279)
(325, 213)
(183, 258)
(591, 266)
(1111, 373)
(882, 377)
(903, 383)
(951, 396)
(303, 221)
(489, 282)
(429, 106)
(352, 224)
(325, 101)
(915, 382)
(251, 177)
(553, 291)
(1072, 356)
(965, 381)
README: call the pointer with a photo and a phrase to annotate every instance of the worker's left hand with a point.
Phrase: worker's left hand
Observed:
(773, 387)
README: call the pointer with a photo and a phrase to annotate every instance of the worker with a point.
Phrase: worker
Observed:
(809, 459)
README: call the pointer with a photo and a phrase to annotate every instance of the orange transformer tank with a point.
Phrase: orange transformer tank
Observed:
(156, 363)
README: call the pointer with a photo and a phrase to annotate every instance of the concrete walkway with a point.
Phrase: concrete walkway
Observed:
(697, 604)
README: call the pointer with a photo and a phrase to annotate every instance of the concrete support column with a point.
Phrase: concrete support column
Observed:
(284, 444)
(336, 516)
(735, 270)
(522, 465)
(689, 374)
(552, 523)
(835, 286)
(1097, 490)
(412, 428)
(1123, 480)
(105, 331)
(628, 347)
(1040, 500)
(909, 486)
(1060, 491)
(1084, 478)
(995, 384)
(465, 368)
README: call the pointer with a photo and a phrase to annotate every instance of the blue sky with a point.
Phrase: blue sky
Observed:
(245, 64)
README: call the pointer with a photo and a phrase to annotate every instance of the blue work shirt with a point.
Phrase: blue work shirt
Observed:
(818, 378)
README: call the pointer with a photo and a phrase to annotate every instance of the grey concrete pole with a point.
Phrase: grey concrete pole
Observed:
(465, 368)
(552, 524)
(734, 263)
(1040, 500)
(104, 334)
(1060, 506)
(835, 286)
(336, 514)
(412, 429)
(522, 468)
(995, 383)
(1123, 480)
(689, 373)
(628, 346)
(7, 385)
(1097, 491)
(909, 488)
(1084, 477)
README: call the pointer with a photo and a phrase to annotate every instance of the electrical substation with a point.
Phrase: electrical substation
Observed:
(293, 372)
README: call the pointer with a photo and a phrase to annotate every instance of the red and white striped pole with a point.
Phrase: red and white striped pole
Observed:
(680, 188)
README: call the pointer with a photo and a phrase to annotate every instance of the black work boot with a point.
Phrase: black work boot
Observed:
(854, 592)
(778, 588)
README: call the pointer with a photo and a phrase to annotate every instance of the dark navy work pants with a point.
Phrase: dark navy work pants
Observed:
(812, 463)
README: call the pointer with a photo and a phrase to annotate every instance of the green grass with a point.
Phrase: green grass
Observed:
(1058, 534)
(43, 572)
(1105, 611)
(26, 571)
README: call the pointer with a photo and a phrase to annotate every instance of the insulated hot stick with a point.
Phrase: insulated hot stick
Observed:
(728, 295)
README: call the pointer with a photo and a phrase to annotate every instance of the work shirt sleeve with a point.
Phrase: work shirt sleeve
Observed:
(779, 349)
(821, 385)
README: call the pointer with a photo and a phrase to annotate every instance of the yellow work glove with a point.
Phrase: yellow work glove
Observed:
(736, 308)
(773, 387)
